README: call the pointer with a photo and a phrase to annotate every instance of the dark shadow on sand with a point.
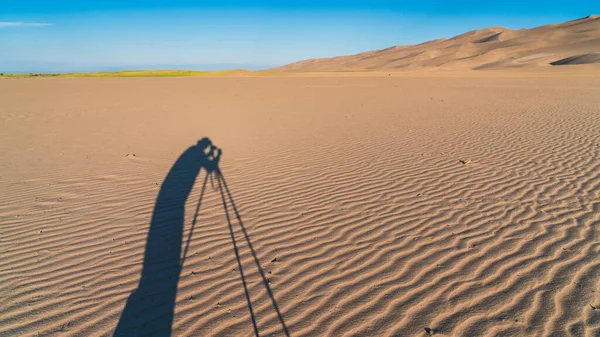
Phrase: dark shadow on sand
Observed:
(150, 308)
(224, 190)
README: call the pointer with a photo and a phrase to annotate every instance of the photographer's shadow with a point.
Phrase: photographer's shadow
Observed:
(150, 308)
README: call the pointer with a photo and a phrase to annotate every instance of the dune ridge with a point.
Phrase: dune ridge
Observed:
(376, 206)
(490, 48)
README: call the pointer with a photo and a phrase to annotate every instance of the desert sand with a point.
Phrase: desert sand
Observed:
(568, 43)
(354, 205)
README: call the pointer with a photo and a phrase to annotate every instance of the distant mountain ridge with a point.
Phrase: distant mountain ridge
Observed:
(569, 43)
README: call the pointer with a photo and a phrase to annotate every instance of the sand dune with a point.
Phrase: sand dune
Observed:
(495, 47)
(349, 206)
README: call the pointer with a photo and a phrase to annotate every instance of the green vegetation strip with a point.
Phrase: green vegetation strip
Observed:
(133, 73)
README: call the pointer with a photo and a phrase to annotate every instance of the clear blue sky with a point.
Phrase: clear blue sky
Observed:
(61, 35)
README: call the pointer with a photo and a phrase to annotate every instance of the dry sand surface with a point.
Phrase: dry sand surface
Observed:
(344, 199)
(568, 43)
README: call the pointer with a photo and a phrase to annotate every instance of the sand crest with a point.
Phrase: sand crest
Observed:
(572, 42)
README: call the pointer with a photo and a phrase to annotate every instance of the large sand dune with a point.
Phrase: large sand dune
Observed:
(573, 42)
(349, 206)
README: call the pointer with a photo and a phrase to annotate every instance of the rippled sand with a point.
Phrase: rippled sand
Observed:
(346, 205)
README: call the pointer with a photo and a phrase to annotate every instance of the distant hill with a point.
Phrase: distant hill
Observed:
(569, 43)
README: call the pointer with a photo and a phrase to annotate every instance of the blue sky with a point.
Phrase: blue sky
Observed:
(82, 35)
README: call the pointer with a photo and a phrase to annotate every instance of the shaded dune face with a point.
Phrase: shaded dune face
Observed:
(150, 308)
(578, 59)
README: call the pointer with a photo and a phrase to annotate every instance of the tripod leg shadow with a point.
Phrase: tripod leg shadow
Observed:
(187, 246)
(224, 190)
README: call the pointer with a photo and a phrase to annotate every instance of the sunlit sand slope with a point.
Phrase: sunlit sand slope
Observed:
(570, 43)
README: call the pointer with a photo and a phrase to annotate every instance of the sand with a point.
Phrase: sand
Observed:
(568, 43)
(356, 205)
